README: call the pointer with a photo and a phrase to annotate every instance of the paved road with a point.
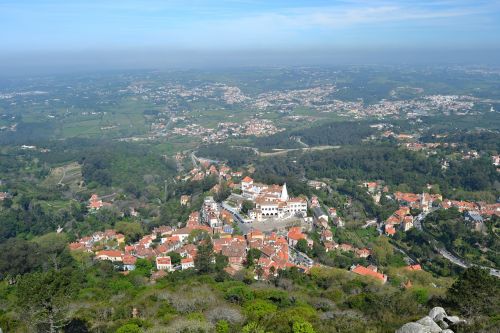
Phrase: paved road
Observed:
(299, 140)
(460, 262)
(421, 217)
(457, 261)
(369, 224)
(194, 160)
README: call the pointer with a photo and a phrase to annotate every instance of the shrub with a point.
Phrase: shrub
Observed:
(189, 326)
(302, 327)
(129, 328)
(195, 299)
(222, 326)
(224, 313)
(257, 309)
(278, 297)
(239, 294)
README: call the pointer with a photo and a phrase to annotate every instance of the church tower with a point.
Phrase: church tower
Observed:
(284, 193)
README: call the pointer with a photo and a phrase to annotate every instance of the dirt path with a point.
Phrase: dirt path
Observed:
(63, 175)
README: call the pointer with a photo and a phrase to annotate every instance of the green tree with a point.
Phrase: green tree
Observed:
(198, 235)
(259, 271)
(172, 212)
(132, 230)
(302, 246)
(54, 250)
(239, 294)
(7, 203)
(257, 309)
(252, 255)
(143, 267)
(223, 194)
(246, 206)
(175, 257)
(221, 262)
(475, 293)
(44, 298)
(203, 260)
(18, 256)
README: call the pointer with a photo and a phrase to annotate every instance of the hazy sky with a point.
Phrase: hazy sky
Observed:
(31, 27)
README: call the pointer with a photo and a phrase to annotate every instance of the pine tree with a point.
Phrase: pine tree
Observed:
(203, 261)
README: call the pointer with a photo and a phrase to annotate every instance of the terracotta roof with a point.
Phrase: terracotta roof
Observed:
(109, 253)
(182, 231)
(346, 247)
(363, 252)
(163, 260)
(247, 180)
(368, 272)
(76, 246)
(389, 229)
(129, 259)
(414, 267)
(393, 220)
(295, 233)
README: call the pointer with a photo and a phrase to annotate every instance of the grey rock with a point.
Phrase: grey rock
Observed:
(438, 317)
(436, 311)
(447, 331)
(452, 319)
(428, 322)
(413, 328)
(442, 324)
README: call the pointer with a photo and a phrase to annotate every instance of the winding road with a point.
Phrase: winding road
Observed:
(447, 254)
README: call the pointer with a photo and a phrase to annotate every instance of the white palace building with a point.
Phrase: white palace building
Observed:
(271, 201)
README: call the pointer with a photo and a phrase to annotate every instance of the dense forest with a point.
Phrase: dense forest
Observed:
(388, 163)
(479, 140)
(234, 156)
(330, 134)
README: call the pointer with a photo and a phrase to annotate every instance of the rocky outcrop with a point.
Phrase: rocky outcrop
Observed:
(437, 311)
(436, 322)
(428, 322)
(413, 328)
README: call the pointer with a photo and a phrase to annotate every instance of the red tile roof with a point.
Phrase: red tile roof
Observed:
(163, 261)
(129, 259)
(368, 272)
(247, 180)
(109, 253)
(414, 267)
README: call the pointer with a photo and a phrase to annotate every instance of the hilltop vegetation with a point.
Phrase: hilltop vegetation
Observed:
(76, 294)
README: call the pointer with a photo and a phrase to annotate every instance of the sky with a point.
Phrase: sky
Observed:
(136, 30)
